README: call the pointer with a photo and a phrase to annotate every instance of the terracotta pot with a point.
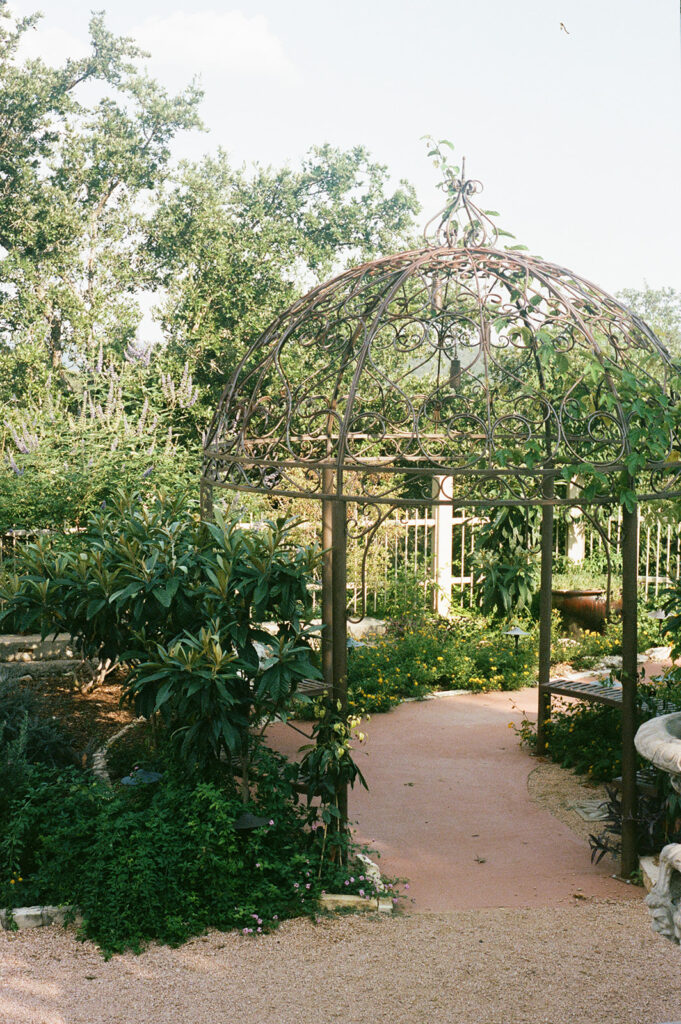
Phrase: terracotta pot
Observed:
(585, 608)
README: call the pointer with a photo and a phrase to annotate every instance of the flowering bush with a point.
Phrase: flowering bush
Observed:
(63, 455)
(466, 653)
(586, 647)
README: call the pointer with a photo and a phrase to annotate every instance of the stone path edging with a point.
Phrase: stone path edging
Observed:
(36, 917)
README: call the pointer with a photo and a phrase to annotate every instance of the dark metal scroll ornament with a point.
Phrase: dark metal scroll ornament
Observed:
(363, 526)
(458, 359)
(461, 221)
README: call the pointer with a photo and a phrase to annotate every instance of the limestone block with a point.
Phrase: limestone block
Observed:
(343, 901)
(664, 899)
(36, 917)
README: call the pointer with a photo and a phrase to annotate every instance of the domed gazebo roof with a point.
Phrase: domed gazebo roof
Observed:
(462, 359)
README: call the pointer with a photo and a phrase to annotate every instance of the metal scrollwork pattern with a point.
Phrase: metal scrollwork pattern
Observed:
(457, 359)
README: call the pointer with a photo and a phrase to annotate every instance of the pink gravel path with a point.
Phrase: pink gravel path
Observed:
(448, 809)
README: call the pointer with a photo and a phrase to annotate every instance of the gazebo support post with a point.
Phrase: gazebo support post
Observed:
(339, 628)
(629, 674)
(545, 604)
(327, 582)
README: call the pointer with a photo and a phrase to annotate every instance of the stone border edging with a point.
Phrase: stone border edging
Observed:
(99, 765)
(36, 917)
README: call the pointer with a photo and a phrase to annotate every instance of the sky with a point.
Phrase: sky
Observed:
(568, 111)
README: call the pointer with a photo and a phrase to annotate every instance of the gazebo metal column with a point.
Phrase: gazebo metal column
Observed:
(334, 604)
(327, 581)
(629, 676)
(545, 606)
(340, 633)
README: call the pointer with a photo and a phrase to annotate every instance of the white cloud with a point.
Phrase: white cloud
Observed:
(209, 41)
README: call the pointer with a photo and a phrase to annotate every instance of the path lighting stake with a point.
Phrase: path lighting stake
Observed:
(247, 822)
(516, 632)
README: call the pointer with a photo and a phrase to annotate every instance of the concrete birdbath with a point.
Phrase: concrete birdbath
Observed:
(659, 741)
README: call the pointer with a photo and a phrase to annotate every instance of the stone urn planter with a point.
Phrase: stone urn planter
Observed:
(659, 741)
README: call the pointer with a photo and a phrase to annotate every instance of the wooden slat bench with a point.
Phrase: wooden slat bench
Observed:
(311, 688)
(601, 693)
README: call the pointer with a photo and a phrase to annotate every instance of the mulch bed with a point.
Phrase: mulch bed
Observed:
(87, 718)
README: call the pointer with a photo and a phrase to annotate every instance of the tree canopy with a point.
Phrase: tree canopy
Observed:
(95, 219)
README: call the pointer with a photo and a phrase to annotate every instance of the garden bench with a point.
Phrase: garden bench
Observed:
(601, 693)
(311, 687)
(611, 695)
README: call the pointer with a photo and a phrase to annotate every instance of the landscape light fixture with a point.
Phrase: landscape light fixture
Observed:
(247, 822)
(516, 632)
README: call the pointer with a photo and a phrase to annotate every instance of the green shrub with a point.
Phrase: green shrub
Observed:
(183, 601)
(506, 561)
(166, 861)
(586, 737)
(40, 738)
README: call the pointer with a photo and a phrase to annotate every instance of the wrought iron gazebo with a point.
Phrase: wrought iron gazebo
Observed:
(455, 374)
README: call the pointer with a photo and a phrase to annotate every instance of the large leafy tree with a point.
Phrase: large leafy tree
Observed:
(74, 183)
(661, 309)
(235, 249)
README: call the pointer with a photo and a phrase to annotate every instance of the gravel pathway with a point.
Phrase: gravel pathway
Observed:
(529, 933)
(585, 964)
(448, 808)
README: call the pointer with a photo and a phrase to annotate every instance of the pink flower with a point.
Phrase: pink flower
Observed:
(271, 821)
(361, 892)
(307, 886)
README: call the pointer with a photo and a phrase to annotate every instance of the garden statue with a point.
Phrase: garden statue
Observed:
(659, 741)
(664, 899)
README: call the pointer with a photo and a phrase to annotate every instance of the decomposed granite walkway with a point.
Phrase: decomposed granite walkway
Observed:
(448, 809)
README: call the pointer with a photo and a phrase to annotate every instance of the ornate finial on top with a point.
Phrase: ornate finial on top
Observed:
(460, 222)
